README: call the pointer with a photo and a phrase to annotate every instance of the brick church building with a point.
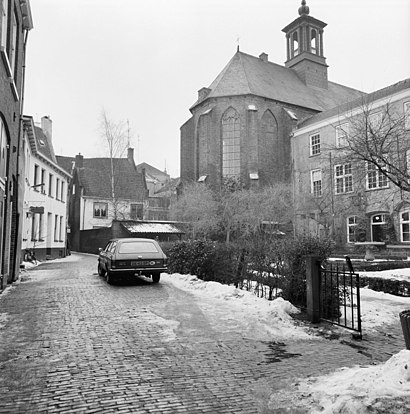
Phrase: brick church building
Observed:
(241, 124)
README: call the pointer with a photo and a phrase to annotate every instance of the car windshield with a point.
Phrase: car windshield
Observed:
(137, 247)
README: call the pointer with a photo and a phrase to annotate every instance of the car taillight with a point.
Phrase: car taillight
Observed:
(166, 262)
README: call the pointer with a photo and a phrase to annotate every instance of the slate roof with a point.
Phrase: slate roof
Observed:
(363, 100)
(66, 163)
(150, 227)
(246, 74)
(95, 175)
(149, 169)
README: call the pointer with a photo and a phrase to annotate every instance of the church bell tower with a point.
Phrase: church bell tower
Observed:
(304, 44)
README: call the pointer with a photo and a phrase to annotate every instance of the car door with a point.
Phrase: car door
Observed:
(109, 254)
(103, 256)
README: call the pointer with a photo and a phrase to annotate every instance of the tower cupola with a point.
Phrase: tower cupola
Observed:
(304, 44)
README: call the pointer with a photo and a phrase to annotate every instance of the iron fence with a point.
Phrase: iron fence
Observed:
(340, 296)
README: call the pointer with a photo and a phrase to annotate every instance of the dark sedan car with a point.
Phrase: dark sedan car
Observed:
(128, 257)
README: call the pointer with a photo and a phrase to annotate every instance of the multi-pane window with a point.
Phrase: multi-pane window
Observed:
(375, 178)
(62, 191)
(342, 132)
(136, 211)
(50, 184)
(57, 189)
(60, 230)
(231, 144)
(36, 177)
(351, 229)
(407, 115)
(375, 121)
(56, 227)
(316, 182)
(314, 144)
(4, 23)
(13, 44)
(378, 223)
(405, 226)
(100, 210)
(3, 150)
(43, 180)
(343, 178)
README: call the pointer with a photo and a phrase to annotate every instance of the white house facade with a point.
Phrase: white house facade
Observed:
(45, 196)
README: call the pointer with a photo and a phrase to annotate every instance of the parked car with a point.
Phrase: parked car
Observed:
(131, 256)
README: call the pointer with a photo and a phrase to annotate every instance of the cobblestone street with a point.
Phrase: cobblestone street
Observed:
(72, 343)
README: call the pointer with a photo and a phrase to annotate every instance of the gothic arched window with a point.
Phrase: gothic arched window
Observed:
(231, 144)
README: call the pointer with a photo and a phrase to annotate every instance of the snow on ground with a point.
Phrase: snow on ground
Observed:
(241, 311)
(399, 274)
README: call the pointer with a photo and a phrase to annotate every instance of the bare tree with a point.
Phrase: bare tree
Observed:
(379, 139)
(198, 207)
(116, 139)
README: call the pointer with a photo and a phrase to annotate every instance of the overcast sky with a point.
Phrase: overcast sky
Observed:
(143, 61)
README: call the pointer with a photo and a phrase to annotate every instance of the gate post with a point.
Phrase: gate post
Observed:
(313, 288)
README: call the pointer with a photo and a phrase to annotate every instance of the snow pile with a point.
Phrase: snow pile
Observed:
(352, 390)
(236, 310)
(398, 274)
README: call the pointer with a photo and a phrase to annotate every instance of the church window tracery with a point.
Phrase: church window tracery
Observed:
(231, 144)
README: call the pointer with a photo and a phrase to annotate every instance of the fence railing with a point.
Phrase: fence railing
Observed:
(340, 296)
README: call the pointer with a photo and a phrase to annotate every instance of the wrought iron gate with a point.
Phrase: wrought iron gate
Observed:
(340, 296)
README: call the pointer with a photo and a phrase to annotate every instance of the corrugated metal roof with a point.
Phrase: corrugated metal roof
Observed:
(164, 228)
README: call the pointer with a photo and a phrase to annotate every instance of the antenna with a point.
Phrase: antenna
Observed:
(237, 42)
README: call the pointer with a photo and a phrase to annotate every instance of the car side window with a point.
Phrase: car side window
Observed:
(107, 247)
(112, 247)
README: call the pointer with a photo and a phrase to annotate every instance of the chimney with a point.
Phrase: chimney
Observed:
(263, 56)
(47, 127)
(79, 161)
(130, 155)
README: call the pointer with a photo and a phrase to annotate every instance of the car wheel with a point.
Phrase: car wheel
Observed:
(155, 277)
(110, 278)
(101, 271)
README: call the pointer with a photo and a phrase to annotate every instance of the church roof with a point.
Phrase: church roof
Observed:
(249, 75)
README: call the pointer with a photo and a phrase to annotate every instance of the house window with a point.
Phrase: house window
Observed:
(43, 180)
(375, 178)
(316, 182)
(351, 229)
(62, 190)
(3, 150)
(36, 177)
(231, 144)
(405, 226)
(34, 227)
(4, 23)
(375, 121)
(407, 115)
(100, 210)
(378, 223)
(136, 211)
(343, 178)
(56, 228)
(342, 132)
(60, 230)
(13, 44)
(40, 227)
(57, 188)
(314, 144)
(50, 184)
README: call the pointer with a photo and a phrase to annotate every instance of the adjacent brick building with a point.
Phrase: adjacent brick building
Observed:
(15, 23)
(241, 124)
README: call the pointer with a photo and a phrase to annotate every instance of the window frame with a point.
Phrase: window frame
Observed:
(404, 222)
(231, 143)
(341, 138)
(314, 191)
(345, 177)
(97, 204)
(350, 226)
(381, 223)
(314, 147)
(378, 177)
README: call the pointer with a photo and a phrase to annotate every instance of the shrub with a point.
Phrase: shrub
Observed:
(203, 258)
